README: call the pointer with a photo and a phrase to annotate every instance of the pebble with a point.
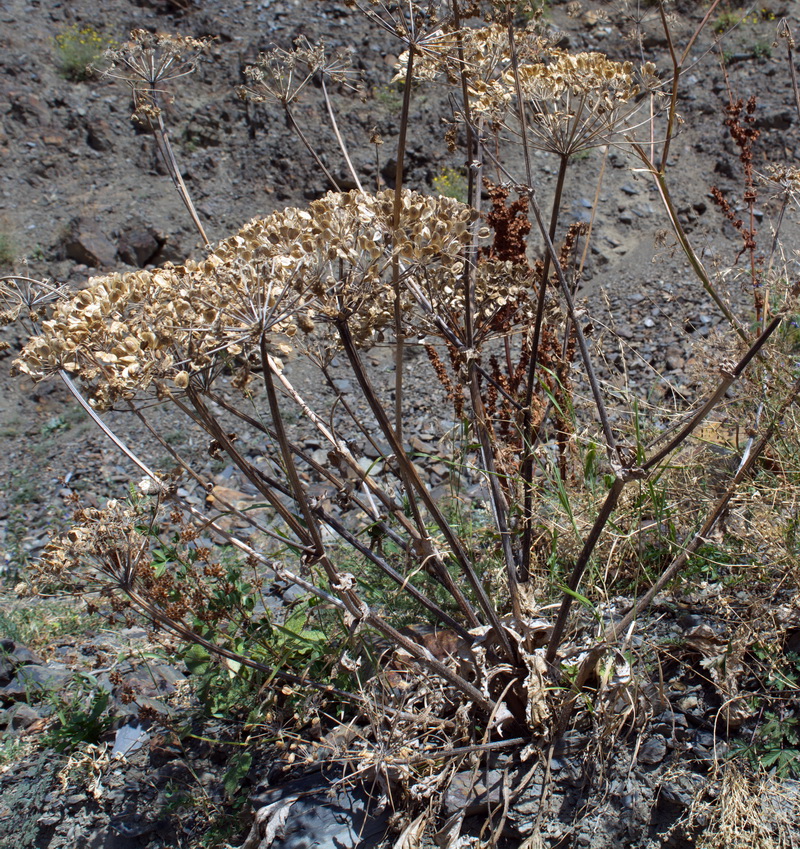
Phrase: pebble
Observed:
(653, 750)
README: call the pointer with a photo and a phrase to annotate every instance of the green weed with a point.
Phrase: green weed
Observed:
(8, 251)
(730, 18)
(390, 96)
(774, 746)
(37, 623)
(11, 748)
(54, 424)
(82, 715)
(78, 48)
(712, 563)
(762, 50)
(452, 184)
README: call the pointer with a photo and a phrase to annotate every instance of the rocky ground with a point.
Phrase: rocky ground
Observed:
(82, 191)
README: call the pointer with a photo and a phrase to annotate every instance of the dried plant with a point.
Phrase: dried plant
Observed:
(492, 296)
(146, 63)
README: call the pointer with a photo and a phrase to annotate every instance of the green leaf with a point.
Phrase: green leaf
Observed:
(197, 659)
(239, 766)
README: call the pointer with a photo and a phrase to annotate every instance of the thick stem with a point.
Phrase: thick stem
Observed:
(302, 136)
(411, 475)
(199, 517)
(728, 378)
(580, 566)
(528, 440)
(399, 336)
(523, 128)
(474, 170)
(677, 69)
(339, 139)
(708, 526)
(165, 146)
(594, 384)
(214, 429)
(298, 490)
(497, 498)
(226, 506)
(680, 233)
(401, 580)
(792, 70)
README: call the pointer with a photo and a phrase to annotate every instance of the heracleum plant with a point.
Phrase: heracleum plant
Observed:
(333, 279)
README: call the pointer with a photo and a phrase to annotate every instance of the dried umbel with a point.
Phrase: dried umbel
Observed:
(24, 299)
(148, 60)
(502, 296)
(486, 53)
(784, 178)
(293, 270)
(104, 550)
(282, 75)
(575, 100)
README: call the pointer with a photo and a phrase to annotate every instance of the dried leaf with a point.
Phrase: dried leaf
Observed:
(269, 822)
(536, 688)
(411, 836)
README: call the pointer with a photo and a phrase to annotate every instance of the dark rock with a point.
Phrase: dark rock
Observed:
(28, 109)
(99, 136)
(17, 654)
(140, 246)
(463, 794)
(778, 119)
(165, 748)
(680, 791)
(86, 244)
(152, 679)
(22, 716)
(35, 679)
(128, 739)
(653, 750)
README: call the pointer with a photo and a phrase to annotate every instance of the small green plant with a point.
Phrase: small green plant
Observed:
(730, 18)
(22, 491)
(82, 715)
(727, 20)
(16, 532)
(710, 562)
(78, 49)
(530, 10)
(10, 748)
(54, 424)
(7, 250)
(775, 745)
(37, 622)
(452, 184)
(762, 50)
(390, 96)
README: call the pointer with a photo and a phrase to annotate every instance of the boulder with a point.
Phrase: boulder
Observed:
(87, 244)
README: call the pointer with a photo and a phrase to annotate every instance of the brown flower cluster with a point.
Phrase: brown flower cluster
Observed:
(108, 552)
(486, 53)
(282, 75)
(147, 60)
(575, 100)
(104, 549)
(296, 269)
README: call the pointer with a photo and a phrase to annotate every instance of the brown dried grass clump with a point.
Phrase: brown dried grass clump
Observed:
(749, 811)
